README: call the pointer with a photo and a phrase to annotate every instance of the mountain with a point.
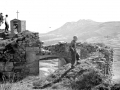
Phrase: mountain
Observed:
(86, 30)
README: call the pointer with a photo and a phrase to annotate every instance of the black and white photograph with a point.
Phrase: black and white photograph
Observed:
(59, 44)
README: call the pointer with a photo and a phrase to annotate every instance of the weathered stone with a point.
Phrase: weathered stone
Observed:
(61, 62)
(32, 63)
(9, 66)
(21, 50)
(2, 66)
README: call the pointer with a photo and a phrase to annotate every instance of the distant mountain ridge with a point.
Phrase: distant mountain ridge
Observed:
(84, 29)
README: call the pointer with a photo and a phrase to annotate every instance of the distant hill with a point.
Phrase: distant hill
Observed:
(86, 30)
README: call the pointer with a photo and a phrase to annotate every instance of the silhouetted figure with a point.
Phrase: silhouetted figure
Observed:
(6, 24)
(1, 19)
(74, 54)
(16, 28)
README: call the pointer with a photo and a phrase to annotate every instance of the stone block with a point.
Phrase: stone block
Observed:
(1, 66)
(9, 66)
(32, 63)
(61, 62)
(32, 49)
(33, 68)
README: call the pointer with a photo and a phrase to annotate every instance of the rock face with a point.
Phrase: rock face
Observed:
(14, 55)
(93, 70)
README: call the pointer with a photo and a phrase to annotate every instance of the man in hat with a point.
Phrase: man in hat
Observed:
(74, 54)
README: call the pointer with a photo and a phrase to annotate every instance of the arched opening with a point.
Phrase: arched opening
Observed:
(49, 65)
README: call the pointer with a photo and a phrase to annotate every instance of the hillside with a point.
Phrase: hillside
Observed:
(85, 30)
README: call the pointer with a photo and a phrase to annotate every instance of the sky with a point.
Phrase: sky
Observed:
(45, 15)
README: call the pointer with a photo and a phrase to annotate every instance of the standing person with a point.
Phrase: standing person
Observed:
(6, 24)
(74, 54)
(1, 19)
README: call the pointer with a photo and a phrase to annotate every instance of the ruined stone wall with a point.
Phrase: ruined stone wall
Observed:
(102, 54)
(87, 50)
(94, 69)
(14, 54)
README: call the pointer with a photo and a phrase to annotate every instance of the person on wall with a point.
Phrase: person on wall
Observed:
(1, 19)
(74, 54)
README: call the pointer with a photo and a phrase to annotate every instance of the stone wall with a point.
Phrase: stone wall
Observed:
(94, 69)
(86, 50)
(18, 55)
